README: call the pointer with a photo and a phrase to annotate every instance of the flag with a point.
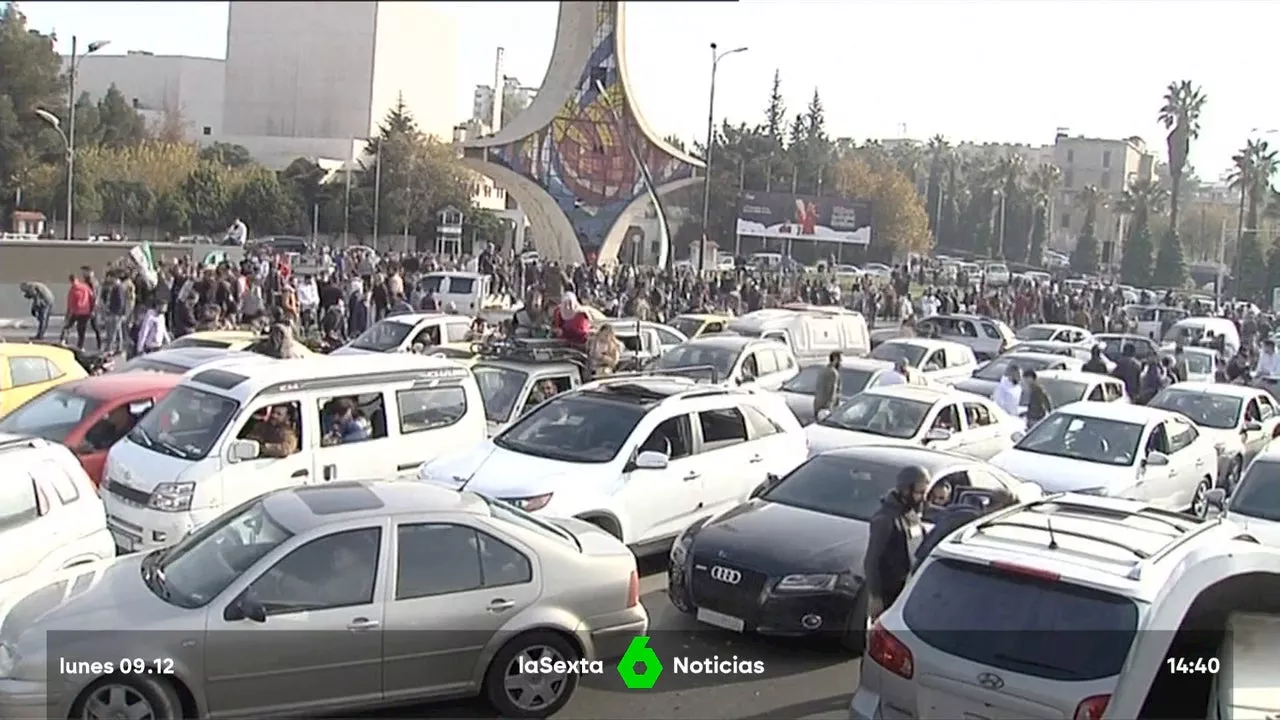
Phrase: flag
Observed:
(141, 256)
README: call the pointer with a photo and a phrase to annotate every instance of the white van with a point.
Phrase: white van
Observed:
(214, 440)
(812, 332)
(1190, 331)
(1245, 686)
(470, 292)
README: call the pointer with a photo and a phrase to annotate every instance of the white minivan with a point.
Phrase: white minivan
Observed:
(230, 431)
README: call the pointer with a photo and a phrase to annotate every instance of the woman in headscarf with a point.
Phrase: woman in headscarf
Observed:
(604, 351)
(570, 321)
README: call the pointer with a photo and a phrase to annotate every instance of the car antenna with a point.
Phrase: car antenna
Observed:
(1053, 540)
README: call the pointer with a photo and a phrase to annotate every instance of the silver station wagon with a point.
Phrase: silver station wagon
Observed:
(327, 598)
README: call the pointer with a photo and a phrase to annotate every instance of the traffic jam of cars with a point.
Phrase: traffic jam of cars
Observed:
(989, 520)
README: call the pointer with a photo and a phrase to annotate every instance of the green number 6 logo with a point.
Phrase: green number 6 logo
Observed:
(639, 653)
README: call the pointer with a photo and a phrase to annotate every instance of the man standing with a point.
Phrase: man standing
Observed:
(827, 393)
(154, 333)
(41, 298)
(1095, 363)
(1008, 394)
(894, 536)
(1039, 404)
(1180, 368)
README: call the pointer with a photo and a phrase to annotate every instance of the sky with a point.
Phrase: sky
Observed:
(970, 70)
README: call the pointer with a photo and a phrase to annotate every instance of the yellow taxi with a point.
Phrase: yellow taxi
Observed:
(234, 340)
(698, 324)
(28, 369)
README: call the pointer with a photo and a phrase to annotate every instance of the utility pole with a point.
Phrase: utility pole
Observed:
(377, 187)
(711, 117)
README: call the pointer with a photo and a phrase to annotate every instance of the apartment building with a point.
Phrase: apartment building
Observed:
(1108, 165)
(159, 85)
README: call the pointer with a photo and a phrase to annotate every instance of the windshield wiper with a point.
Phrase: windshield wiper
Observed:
(140, 434)
(175, 450)
(153, 576)
(1032, 663)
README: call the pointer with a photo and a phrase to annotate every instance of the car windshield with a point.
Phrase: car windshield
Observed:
(1113, 346)
(1021, 623)
(687, 325)
(885, 415)
(1036, 332)
(51, 415)
(500, 389)
(579, 427)
(694, 355)
(1197, 363)
(852, 382)
(1220, 412)
(996, 369)
(149, 364)
(384, 336)
(1187, 334)
(1079, 437)
(196, 570)
(1259, 492)
(185, 424)
(1060, 392)
(836, 486)
(895, 351)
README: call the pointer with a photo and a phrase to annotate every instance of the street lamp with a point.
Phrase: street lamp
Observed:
(69, 137)
(711, 117)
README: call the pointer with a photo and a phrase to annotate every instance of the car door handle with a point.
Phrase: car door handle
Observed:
(363, 623)
(756, 459)
(300, 473)
(330, 472)
(1200, 462)
(692, 476)
(500, 605)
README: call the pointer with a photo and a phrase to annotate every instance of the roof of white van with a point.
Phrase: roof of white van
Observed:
(320, 367)
(455, 273)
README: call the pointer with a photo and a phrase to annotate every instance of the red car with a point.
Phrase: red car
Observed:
(89, 415)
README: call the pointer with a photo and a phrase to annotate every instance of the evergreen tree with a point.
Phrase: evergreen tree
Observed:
(1135, 263)
(1170, 271)
(815, 122)
(775, 114)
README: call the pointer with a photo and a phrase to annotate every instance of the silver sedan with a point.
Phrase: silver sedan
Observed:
(341, 597)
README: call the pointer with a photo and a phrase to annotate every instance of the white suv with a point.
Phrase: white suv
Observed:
(50, 515)
(640, 456)
(1033, 612)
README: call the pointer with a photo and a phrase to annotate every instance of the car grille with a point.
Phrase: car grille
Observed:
(128, 494)
(740, 600)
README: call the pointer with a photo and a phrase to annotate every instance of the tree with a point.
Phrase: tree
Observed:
(172, 211)
(900, 221)
(1011, 243)
(119, 125)
(227, 154)
(483, 225)
(938, 150)
(775, 121)
(1253, 169)
(1140, 201)
(1180, 115)
(1084, 259)
(304, 180)
(1044, 185)
(30, 79)
(1170, 270)
(125, 203)
(171, 127)
(264, 205)
(206, 195)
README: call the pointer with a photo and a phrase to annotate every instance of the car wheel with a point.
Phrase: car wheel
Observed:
(1233, 476)
(138, 697)
(854, 638)
(1200, 501)
(514, 693)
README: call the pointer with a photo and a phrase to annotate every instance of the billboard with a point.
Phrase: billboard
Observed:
(804, 217)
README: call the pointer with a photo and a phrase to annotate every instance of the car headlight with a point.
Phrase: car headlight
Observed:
(530, 504)
(8, 659)
(684, 542)
(172, 497)
(809, 582)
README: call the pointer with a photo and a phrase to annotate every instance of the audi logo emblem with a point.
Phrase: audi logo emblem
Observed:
(726, 575)
(990, 681)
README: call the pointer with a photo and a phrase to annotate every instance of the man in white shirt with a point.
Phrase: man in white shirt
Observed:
(896, 376)
(1268, 363)
(308, 301)
(928, 305)
(238, 233)
(1008, 394)
(153, 334)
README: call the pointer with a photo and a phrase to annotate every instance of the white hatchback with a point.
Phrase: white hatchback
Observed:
(50, 514)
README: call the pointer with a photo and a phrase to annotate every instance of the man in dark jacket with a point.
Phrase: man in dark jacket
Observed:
(826, 394)
(41, 298)
(895, 532)
(1129, 371)
(1095, 363)
(961, 513)
(1039, 404)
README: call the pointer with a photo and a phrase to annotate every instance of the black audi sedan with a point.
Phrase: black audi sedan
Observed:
(789, 560)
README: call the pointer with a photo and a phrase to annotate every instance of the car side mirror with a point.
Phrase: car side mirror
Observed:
(245, 607)
(937, 435)
(652, 460)
(932, 367)
(1017, 435)
(244, 450)
(1217, 498)
(1253, 426)
(140, 408)
(770, 482)
(1157, 459)
(744, 380)
(1028, 491)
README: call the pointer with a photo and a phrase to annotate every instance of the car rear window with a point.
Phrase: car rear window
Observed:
(1023, 624)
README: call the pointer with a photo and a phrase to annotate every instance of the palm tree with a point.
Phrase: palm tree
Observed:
(1180, 115)
(1253, 169)
(1009, 173)
(1044, 184)
(1138, 202)
(938, 150)
(1084, 259)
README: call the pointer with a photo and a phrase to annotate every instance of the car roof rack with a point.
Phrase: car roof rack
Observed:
(1102, 510)
(701, 374)
(532, 350)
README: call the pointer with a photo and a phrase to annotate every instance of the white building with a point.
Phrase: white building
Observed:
(159, 84)
(310, 79)
(515, 97)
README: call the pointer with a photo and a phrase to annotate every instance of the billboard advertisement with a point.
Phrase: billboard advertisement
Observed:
(804, 217)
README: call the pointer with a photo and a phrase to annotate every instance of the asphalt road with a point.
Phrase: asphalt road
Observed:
(800, 680)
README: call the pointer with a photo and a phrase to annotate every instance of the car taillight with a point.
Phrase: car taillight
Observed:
(1091, 708)
(1028, 571)
(633, 590)
(889, 652)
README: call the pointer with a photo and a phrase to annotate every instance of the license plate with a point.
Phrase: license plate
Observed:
(720, 620)
(124, 542)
